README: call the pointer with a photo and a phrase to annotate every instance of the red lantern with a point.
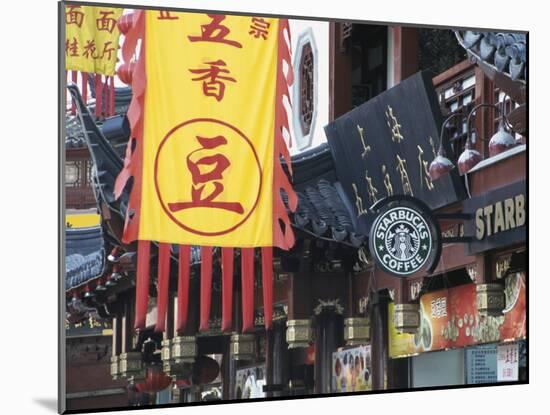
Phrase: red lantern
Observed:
(125, 72)
(468, 159)
(125, 22)
(155, 381)
(501, 141)
(440, 166)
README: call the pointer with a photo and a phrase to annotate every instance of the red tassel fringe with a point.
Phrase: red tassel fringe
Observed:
(163, 286)
(183, 286)
(227, 288)
(247, 286)
(142, 283)
(98, 96)
(206, 286)
(74, 79)
(267, 282)
(84, 87)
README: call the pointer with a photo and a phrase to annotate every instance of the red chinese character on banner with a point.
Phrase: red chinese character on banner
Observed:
(71, 48)
(215, 32)
(105, 22)
(74, 16)
(107, 50)
(259, 28)
(218, 163)
(212, 76)
(165, 15)
(90, 50)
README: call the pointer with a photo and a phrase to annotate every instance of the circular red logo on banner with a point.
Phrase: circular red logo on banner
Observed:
(208, 177)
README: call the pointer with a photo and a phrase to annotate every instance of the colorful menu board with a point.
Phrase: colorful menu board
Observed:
(351, 369)
(449, 319)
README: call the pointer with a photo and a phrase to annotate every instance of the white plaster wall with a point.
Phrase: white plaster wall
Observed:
(320, 32)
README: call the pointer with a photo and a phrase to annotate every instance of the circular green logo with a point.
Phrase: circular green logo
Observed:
(401, 241)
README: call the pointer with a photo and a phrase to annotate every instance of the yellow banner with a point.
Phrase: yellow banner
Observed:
(91, 38)
(208, 129)
(82, 220)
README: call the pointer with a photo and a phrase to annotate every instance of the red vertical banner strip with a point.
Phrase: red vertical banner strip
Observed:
(112, 96)
(142, 283)
(206, 286)
(183, 285)
(267, 282)
(283, 236)
(84, 87)
(247, 286)
(98, 95)
(163, 286)
(107, 97)
(74, 79)
(227, 288)
(133, 161)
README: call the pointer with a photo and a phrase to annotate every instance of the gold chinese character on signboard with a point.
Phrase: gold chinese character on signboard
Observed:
(394, 125)
(402, 169)
(424, 173)
(387, 181)
(370, 188)
(358, 202)
(366, 148)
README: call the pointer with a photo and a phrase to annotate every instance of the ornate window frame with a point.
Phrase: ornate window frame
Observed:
(304, 141)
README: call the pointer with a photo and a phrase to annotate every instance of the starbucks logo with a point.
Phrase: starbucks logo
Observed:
(401, 240)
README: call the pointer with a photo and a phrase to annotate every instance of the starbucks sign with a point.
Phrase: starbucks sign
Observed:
(402, 239)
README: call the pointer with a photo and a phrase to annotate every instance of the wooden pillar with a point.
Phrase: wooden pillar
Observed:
(339, 73)
(237, 324)
(269, 346)
(225, 370)
(329, 336)
(378, 352)
(117, 334)
(299, 287)
(127, 325)
(484, 116)
(280, 357)
(405, 52)
(170, 318)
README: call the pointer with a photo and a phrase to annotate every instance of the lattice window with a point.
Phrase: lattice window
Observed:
(73, 177)
(457, 93)
(509, 105)
(89, 172)
(306, 88)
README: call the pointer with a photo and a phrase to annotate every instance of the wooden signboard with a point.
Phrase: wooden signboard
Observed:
(385, 146)
(499, 218)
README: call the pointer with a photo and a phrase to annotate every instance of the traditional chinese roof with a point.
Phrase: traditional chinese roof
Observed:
(504, 52)
(323, 207)
(85, 255)
(74, 137)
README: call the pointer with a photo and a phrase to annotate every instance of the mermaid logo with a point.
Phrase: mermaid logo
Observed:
(401, 240)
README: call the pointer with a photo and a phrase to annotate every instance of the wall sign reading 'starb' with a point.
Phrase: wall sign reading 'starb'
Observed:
(404, 238)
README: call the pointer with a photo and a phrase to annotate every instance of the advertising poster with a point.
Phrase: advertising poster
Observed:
(250, 383)
(507, 362)
(351, 369)
(449, 319)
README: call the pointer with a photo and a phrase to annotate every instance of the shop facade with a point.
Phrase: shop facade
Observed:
(341, 323)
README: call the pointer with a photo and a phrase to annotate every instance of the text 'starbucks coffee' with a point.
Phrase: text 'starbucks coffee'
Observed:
(401, 240)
